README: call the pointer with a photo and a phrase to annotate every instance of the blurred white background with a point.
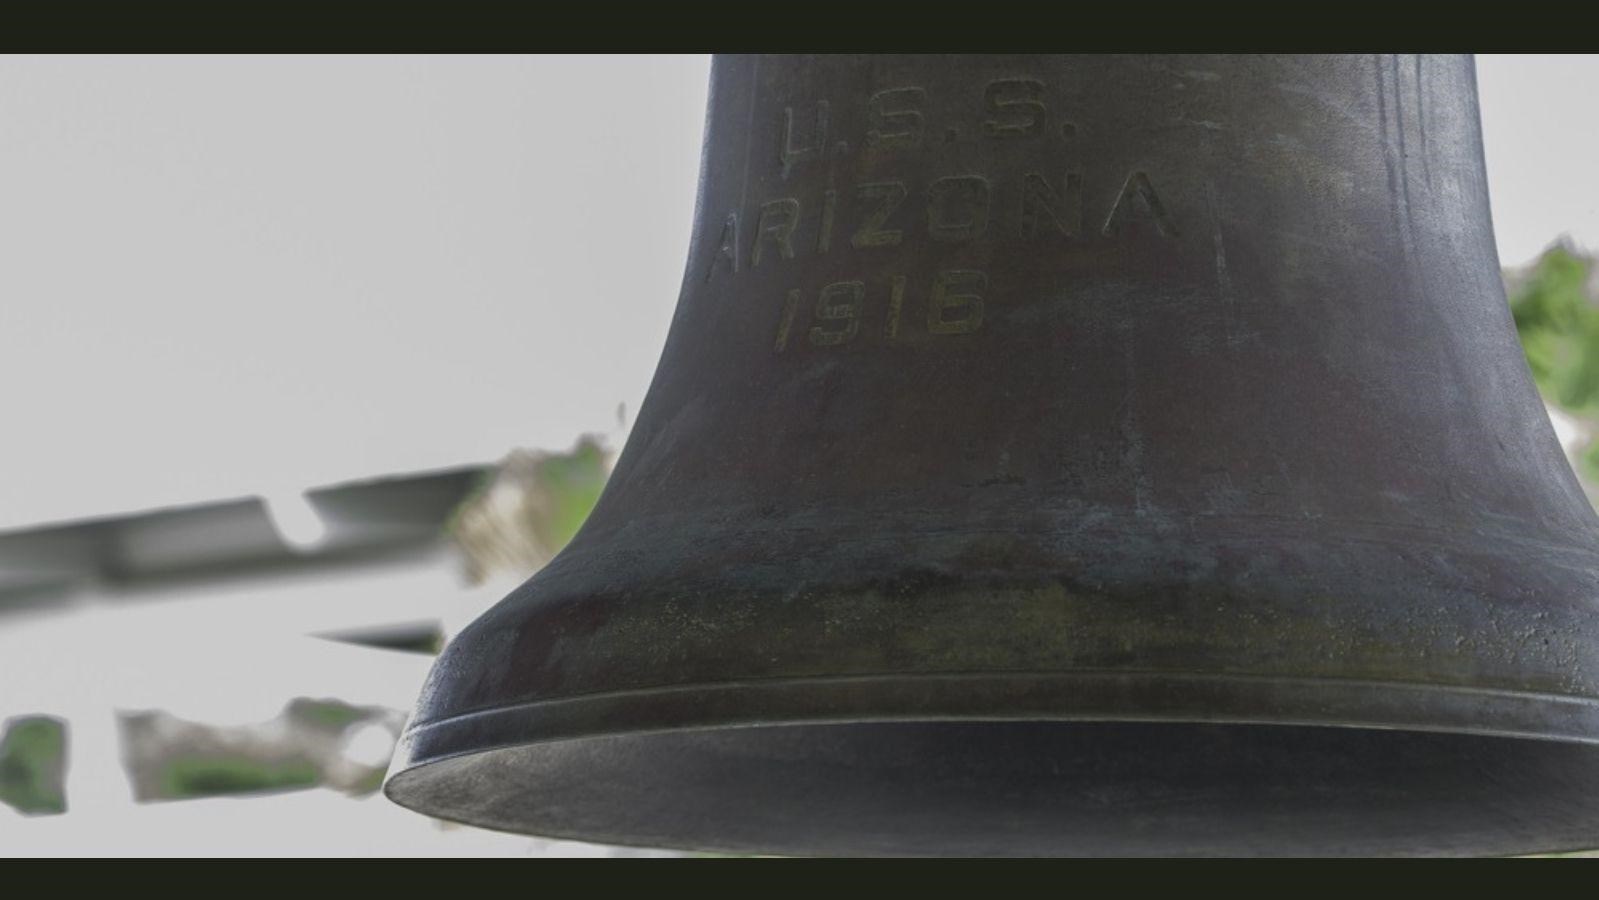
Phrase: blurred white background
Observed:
(235, 275)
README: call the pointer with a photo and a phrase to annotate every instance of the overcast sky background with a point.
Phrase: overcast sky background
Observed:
(225, 276)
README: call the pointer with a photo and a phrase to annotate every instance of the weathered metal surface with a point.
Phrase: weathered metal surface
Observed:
(1043, 449)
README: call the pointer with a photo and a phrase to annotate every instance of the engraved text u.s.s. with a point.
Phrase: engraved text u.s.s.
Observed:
(882, 213)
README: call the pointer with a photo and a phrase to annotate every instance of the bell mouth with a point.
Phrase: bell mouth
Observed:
(1030, 789)
(1011, 787)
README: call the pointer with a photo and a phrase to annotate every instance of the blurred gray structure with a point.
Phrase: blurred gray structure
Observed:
(363, 524)
(222, 611)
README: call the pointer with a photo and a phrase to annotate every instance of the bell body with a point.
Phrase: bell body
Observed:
(1063, 455)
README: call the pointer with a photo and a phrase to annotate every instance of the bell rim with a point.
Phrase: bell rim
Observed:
(459, 767)
(1078, 696)
(411, 780)
(431, 753)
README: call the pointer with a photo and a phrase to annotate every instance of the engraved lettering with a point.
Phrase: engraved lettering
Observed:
(791, 154)
(944, 300)
(778, 220)
(728, 247)
(889, 195)
(1064, 209)
(898, 116)
(824, 235)
(790, 306)
(838, 302)
(957, 208)
(1017, 106)
(1138, 192)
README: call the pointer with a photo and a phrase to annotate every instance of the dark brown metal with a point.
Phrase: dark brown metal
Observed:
(1063, 455)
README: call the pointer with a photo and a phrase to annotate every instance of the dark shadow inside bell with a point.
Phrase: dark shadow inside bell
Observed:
(1031, 788)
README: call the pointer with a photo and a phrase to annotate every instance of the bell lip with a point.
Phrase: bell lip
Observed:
(432, 751)
(1074, 697)
(395, 789)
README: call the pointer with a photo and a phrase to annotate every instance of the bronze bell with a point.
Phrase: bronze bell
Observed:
(1063, 455)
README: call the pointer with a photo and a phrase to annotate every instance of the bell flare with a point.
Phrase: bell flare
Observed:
(913, 713)
(1090, 455)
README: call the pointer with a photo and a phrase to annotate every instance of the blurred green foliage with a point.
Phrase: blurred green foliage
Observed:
(574, 481)
(215, 776)
(1588, 462)
(33, 764)
(1559, 327)
(171, 759)
(528, 508)
(1557, 319)
(332, 715)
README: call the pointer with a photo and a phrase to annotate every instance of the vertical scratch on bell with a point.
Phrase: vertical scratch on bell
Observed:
(1224, 280)
(1421, 116)
(1407, 223)
(749, 138)
(1132, 431)
(1392, 147)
